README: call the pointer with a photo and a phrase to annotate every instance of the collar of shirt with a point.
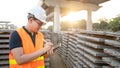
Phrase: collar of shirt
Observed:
(28, 31)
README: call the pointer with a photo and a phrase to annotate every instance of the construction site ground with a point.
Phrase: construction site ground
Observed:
(56, 61)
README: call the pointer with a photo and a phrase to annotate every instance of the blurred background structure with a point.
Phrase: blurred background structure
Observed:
(59, 8)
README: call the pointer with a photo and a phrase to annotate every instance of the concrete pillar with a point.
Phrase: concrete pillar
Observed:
(56, 25)
(89, 20)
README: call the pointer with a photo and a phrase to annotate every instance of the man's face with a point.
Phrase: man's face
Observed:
(37, 24)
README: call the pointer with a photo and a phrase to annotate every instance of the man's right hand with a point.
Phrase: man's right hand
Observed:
(48, 46)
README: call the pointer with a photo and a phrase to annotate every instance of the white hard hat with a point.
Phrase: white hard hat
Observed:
(39, 13)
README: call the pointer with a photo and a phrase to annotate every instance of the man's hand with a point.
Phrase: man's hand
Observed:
(49, 52)
(48, 46)
(53, 49)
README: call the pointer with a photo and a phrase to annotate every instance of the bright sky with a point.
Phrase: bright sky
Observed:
(108, 10)
(16, 10)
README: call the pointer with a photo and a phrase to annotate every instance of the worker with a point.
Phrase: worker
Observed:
(27, 47)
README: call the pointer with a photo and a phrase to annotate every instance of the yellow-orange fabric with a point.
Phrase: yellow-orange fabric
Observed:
(28, 47)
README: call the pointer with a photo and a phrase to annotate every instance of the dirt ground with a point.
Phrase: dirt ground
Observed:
(56, 61)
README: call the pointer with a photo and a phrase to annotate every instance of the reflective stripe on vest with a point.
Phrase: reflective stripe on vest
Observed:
(13, 61)
(41, 66)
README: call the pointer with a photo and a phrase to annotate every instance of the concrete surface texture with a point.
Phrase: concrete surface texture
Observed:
(56, 61)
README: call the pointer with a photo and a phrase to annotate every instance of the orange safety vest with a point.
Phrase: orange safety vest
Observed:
(28, 47)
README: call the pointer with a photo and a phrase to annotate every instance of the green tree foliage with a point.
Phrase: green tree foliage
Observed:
(96, 26)
(114, 24)
(103, 25)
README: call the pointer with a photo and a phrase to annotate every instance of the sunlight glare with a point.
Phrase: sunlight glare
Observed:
(74, 16)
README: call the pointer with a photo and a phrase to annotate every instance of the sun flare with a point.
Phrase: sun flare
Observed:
(74, 16)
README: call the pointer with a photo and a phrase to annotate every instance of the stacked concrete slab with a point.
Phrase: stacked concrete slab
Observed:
(91, 49)
(4, 48)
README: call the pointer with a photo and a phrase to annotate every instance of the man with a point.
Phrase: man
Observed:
(26, 43)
